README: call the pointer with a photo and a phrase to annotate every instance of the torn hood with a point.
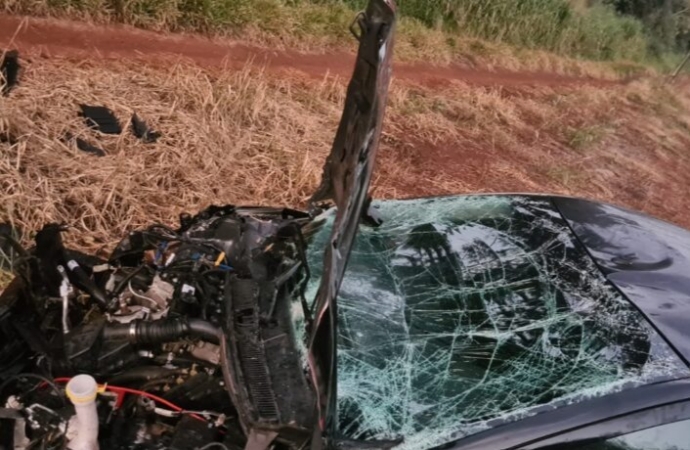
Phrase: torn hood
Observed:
(346, 178)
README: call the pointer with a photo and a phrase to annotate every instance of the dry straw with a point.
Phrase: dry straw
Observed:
(237, 137)
(252, 137)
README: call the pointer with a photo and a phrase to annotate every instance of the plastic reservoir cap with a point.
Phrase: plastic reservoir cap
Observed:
(82, 389)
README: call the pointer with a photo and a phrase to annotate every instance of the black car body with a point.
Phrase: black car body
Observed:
(468, 322)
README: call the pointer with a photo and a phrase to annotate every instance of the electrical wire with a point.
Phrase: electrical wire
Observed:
(203, 413)
(40, 378)
(43, 382)
(142, 296)
(123, 283)
(173, 236)
(124, 390)
(169, 413)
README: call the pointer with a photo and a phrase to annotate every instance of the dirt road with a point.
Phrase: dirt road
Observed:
(64, 39)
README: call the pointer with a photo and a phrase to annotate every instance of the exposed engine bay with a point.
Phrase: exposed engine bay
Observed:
(159, 322)
(183, 337)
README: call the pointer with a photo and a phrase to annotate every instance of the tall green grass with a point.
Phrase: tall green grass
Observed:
(596, 32)
(554, 25)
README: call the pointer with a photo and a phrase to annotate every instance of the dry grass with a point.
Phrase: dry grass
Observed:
(625, 144)
(5, 271)
(5, 278)
(417, 43)
(239, 138)
(250, 138)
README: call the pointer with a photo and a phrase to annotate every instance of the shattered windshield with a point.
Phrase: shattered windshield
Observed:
(461, 313)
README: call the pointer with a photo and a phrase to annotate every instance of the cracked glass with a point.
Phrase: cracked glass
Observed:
(462, 313)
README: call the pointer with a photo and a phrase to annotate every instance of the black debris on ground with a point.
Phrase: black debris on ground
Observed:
(101, 118)
(83, 145)
(9, 71)
(142, 131)
(88, 148)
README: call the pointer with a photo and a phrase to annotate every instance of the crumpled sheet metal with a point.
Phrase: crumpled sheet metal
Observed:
(346, 178)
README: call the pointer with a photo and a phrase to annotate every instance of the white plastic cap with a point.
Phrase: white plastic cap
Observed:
(82, 389)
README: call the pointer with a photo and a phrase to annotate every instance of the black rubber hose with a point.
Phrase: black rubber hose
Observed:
(162, 331)
(205, 330)
(84, 282)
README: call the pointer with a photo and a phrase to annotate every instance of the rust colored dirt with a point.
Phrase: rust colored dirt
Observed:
(65, 39)
(477, 169)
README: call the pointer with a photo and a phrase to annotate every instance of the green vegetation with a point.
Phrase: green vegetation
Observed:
(568, 177)
(605, 30)
(582, 138)
(595, 32)
(666, 22)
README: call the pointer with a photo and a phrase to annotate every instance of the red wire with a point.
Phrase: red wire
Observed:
(123, 390)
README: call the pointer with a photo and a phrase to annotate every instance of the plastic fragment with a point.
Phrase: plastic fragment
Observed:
(101, 118)
(220, 259)
(9, 71)
(142, 131)
(88, 148)
(83, 145)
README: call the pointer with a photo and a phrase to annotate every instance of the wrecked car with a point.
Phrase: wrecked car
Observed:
(464, 322)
